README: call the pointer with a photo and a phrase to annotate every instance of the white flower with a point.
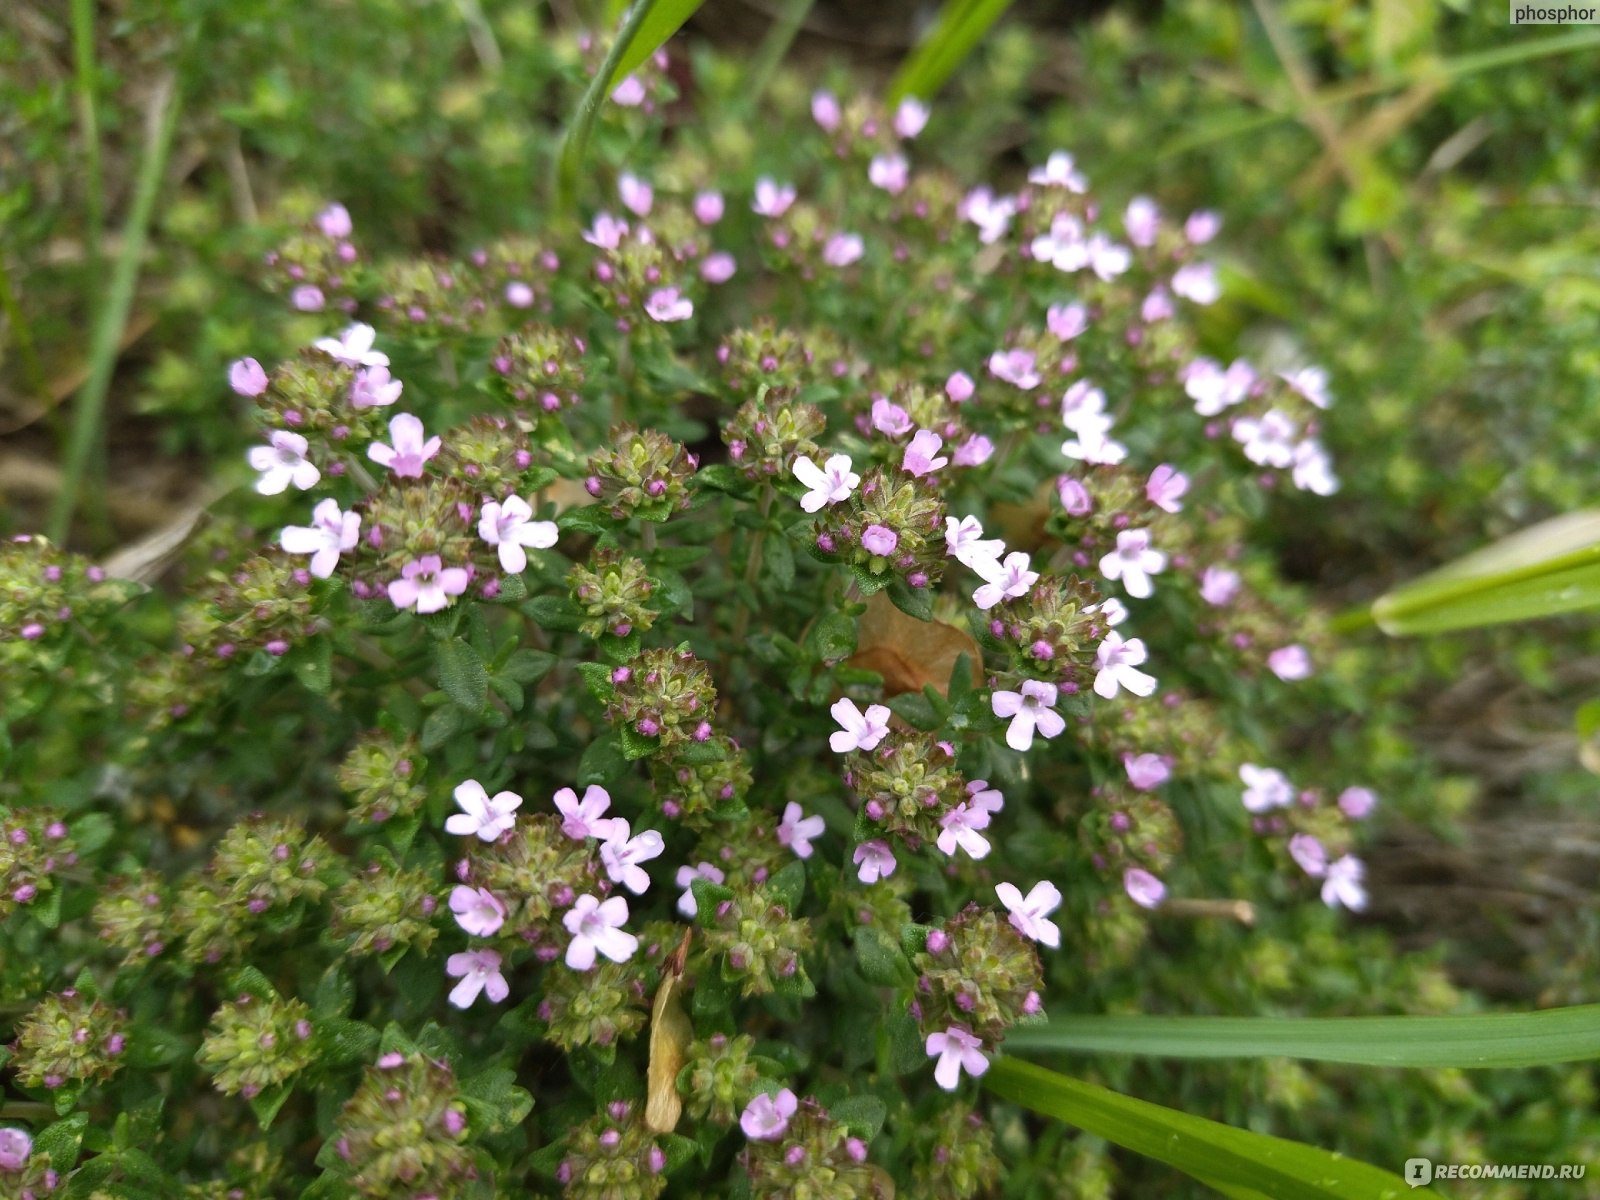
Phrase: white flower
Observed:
(1093, 446)
(1083, 409)
(353, 347)
(621, 855)
(859, 731)
(510, 527)
(984, 798)
(829, 484)
(1058, 171)
(477, 910)
(1116, 661)
(772, 199)
(1143, 888)
(891, 172)
(1313, 469)
(637, 195)
(373, 388)
(1133, 562)
(480, 815)
(283, 462)
(1309, 382)
(796, 830)
(479, 972)
(964, 542)
(1017, 367)
(875, 861)
(1105, 258)
(910, 117)
(1213, 389)
(667, 304)
(990, 213)
(1290, 663)
(587, 819)
(1342, 884)
(1197, 282)
(1029, 916)
(959, 828)
(1269, 441)
(1008, 579)
(1265, 788)
(1219, 585)
(1033, 708)
(409, 452)
(596, 925)
(1113, 610)
(685, 879)
(329, 535)
(842, 249)
(1310, 853)
(957, 1051)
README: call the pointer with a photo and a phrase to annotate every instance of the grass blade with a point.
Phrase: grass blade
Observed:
(959, 27)
(1557, 1035)
(1236, 1162)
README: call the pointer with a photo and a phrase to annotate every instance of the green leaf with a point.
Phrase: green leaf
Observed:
(603, 762)
(959, 27)
(266, 1104)
(462, 675)
(862, 1115)
(1557, 1035)
(62, 1140)
(313, 665)
(1235, 1162)
(442, 725)
(1552, 568)
(494, 1101)
(250, 981)
(833, 638)
(721, 477)
(914, 602)
(788, 886)
(635, 745)
(881, 960)
(557, 613)
(591, 518)
(780, 561)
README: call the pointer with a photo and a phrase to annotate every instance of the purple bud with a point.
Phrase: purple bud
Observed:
(656, 1160)
(794, 1155)
(856, 1149)
(938, 940)
(24, 893)
(454, 1122)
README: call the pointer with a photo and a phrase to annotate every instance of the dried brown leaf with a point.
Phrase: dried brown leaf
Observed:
(909, 653)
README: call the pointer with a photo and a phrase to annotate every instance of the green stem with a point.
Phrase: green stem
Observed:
(88, 119)
(27, 1110)
(752, 564)
(32, 368)
(647, 536)
(113, 316)
(773, 49)
(577, 139)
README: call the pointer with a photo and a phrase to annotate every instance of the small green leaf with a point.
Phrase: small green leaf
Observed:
(914, 602)
(833, 637)
(249, 981)
(721, 477)
(462, 675)
(62, 1140)
(603, 762)
(556, 613)
(313, 665)
(862, 1115)
(527, 666)
(268, 1103)
(635, 745)
(779, 561)
(880, 958)
(592, 518)
(442, 725)
(788, 886)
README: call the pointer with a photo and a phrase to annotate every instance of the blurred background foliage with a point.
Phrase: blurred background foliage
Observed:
(1409, 186)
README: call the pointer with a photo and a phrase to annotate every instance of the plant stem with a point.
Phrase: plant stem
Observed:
(89, 123)
(161, 120)
(773, 49)
(752, 564)
(577, 139)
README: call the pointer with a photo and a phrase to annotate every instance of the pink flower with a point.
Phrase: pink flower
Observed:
(247, 378)
(637, 196)
(1290, 663)
(1143, 888)
(1201, 227)
(875, 860)
(1219, 585)
(1029, 916)
(621, 855)
(842, 249)
(879, 539)
(890, 172)
(766, 1117)
(1197, 282)
(334, 221)
(990, 213)
(667, 304)
(1268, 442)
(1342, 884)
(960, 828)
(708, 207)
(510, 527)
(1310, 383)
(1092, 445)
(888, 417)
(825, 111)
(283, 461)
(1265, 788)
(1009, 579)
(1157, 306)
(587, 819)
(480, 815)
(910, 117)
(1166, 487)
(1213, 389)
(957, 1051)
(409, 452)
(1113, 610)
(1146, 771)
(984, 798)
(974, 452)
(629, 93)
(607, 231)
(796, 830)
(15, 1148)
(718, 267)
(964, 542)
(373, 388)
(1116, 661)
(919, 456)
(859, 731)
(959, 387)
(1142, 220)
(426, 584)
(829, 484)
(596, 926)
(1058, 171)
(685, 879)
(479, 972)
(772, 199)
(1015, 367)
(1032, 708)
(353, 347)
(477, 910)
(1133, 561)
(1067, 321)
(519, 294)
(307, 298)
(330, 534)
(1075, 498)
(1357, 803)
(1310, 854)
(1313, 469)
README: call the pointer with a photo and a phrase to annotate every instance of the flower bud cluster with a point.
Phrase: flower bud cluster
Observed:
(382, 775)
(35, 843)
(317, 267)
(977, 973)
(404, 1132)
(613, 590)
(815, 1157)
(723, 1075)
(541, 367)
(69, 1038)
(641, 474)
(768, 433)
(536, 871)
(492, 455)
(890, 527)
(906, 786)
(612, 1156)
(384, 909)
(1129, 828)
(41, 590)
(263, 605)
(430, 298)
(766, 355)
(519, 270)
(596, 1008)
(667, 694)
(131, 914)
(1050, 634)
(700, 793)
(254, 1044)
(956, 1158)
(761, 942)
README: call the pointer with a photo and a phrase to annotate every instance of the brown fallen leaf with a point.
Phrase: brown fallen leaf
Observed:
(909, 653)
(670, 1035)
